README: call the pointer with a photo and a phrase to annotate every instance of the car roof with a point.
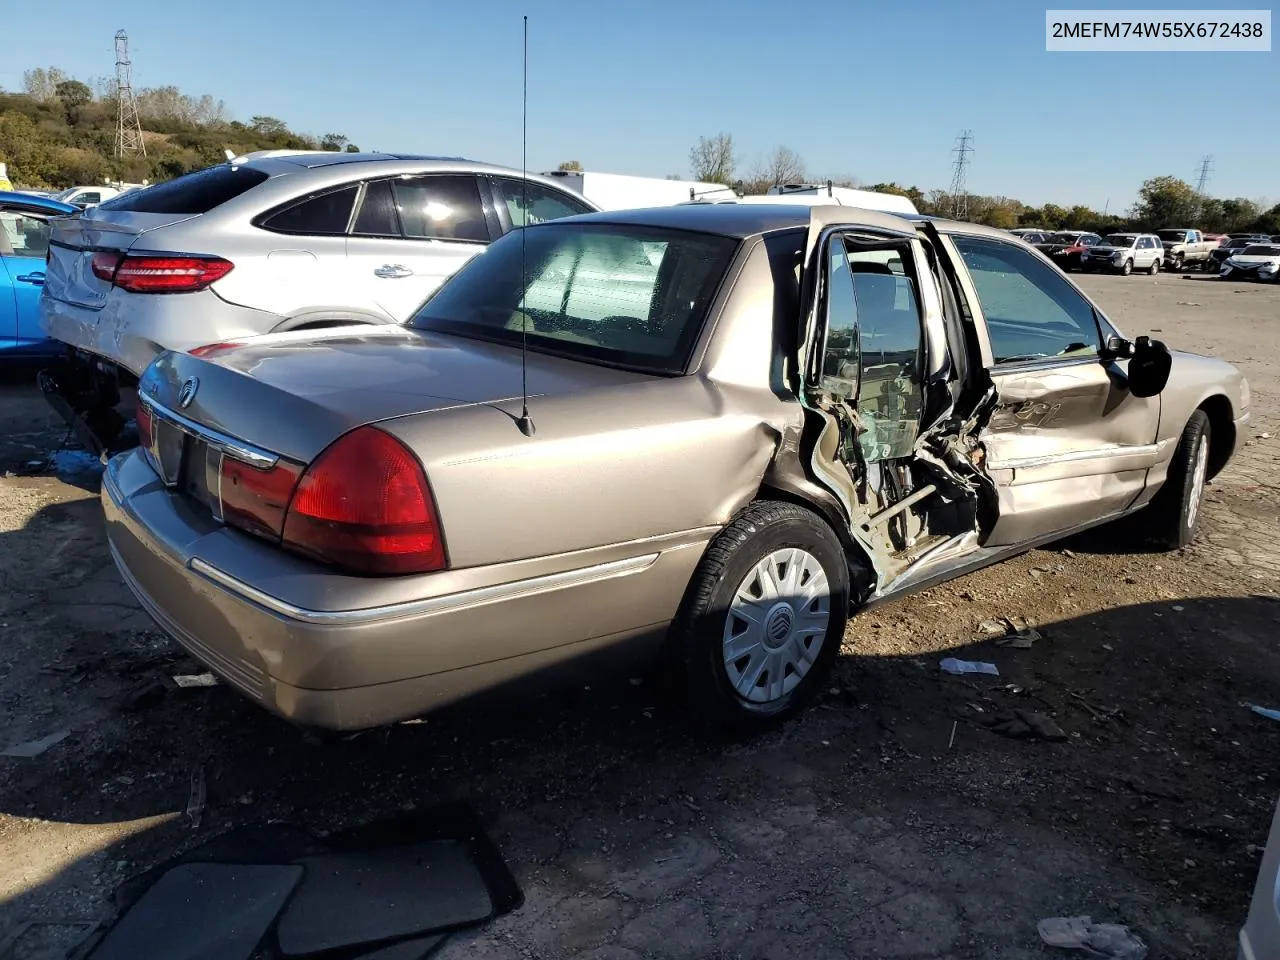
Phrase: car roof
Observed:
(737, 220)
(13, 198)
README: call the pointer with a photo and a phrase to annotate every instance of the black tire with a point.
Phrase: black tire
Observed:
(1176, 266)
(697, 635)
(1127, 268)
(1155, 267)
(1171, 517)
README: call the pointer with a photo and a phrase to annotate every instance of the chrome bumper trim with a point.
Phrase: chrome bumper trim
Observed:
(428, 606)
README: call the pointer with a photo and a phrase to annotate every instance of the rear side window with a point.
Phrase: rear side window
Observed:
(197, 192)
(440, 208)
(327, 214)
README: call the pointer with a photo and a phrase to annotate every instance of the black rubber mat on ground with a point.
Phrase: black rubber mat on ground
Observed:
(383, 894)
(202, 911)
(388, 890)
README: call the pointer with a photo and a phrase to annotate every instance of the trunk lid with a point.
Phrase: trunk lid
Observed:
(295, 393)
(74, 240)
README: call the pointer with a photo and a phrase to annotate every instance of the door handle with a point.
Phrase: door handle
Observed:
(392, 271)
(37, 278)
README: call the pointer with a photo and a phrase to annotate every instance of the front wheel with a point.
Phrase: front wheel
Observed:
(1154, 268)
(1127, 268)
(1172, 514)
(762, 620)
(1176, 266)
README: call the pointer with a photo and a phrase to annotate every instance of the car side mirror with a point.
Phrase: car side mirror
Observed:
(1117, 348)
(1149, 365)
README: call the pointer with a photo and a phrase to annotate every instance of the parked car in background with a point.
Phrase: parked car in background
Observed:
(1032, 237)
(276, 240)
(24, 242)
(1067, 247)
(1232, 245)
(1183, 248)
(1276, 238)
(1218, 238)
(1258, 261)
(1124, 253)
(87, 196)
(355, 526)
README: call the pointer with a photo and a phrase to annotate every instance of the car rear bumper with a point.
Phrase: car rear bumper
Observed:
(130, 329)
(286, 633)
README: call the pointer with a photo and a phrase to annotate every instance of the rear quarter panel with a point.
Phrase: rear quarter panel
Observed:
(1196, 382)
(609, 466)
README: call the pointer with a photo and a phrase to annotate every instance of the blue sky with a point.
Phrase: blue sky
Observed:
(877, 91)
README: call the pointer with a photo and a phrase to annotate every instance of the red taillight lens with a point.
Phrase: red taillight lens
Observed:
(364, 504)
(142, 417)
(256, 500)
(148, 274)
(104, 265)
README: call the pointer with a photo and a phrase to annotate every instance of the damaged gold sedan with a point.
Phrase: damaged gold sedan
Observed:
(709, 433)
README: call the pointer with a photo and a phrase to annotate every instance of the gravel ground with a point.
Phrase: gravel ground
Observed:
(888, 821)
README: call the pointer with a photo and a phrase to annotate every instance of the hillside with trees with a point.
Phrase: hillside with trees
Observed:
(60, 131)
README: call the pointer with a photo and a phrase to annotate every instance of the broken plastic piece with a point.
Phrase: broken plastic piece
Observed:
(33, 748)
(1106, 941)
(185, 680)
(1265, 712)
(957, 667)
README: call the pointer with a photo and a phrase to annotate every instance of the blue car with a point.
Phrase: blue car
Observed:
(24, 242)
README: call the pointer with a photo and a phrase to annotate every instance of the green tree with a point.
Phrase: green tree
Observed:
(1268, 222)
(1166, 202)
(268, 126)
(571, 166)
(333, 141)
(352, 148)
(1053, 216)
(712, 159)
(1238, 214)
(42, 82)
(74, 95)
(914, 194)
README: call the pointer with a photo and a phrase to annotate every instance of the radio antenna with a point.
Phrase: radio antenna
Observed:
(525, 423)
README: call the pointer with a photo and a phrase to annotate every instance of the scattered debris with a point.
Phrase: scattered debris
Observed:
(1026, 725)
(81, 930)
(1106, 941)
(33, 748)
(1189, 303)
(956, 667)
(1264, 436)
(186, 680)
(993, 627)
(1265, 712)
(196, 798)
(146, 694)
(952, 742)
(1101, 714)
(1022, 639)
(1069, 554)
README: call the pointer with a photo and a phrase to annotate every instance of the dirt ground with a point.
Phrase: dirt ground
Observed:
(888, 821)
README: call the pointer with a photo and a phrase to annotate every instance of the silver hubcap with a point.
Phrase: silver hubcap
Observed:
(1197, 481)
(776, 625)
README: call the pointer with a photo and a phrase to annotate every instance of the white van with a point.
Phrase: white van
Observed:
(617, 191)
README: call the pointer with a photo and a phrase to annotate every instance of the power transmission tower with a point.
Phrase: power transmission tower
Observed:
(959, 188)
(128, 127)
(1202, 181)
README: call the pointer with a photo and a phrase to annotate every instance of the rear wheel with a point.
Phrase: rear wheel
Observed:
(1172, 514)
(1127, 268)
(762, 620)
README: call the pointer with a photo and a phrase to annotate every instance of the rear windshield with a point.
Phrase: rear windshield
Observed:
(197, 192)
(1121, 239)
(1262, 250)
(625, 296)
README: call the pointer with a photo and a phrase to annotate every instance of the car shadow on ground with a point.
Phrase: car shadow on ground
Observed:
(1161, 765)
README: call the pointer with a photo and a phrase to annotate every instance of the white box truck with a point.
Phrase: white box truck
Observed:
(618, 191)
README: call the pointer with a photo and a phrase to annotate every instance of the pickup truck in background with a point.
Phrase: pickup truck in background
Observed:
(1185, 247)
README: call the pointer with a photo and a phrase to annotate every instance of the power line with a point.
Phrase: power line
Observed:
(128, 126)
(959, 187)
(1202, 181)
